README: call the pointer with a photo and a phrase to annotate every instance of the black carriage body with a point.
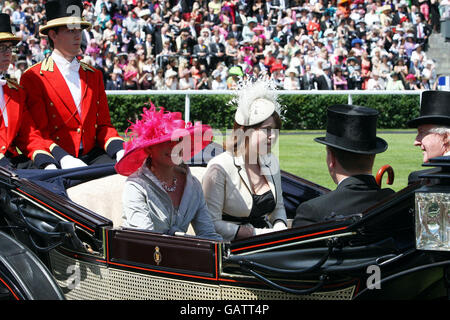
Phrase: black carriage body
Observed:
(371, 255)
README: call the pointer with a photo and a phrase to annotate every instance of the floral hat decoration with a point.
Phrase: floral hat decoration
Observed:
(158, 126)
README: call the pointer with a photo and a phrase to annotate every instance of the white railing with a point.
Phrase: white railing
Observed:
(188, 93)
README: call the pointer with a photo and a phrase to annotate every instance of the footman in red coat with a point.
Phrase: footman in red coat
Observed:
(17, 129)
(66, 97)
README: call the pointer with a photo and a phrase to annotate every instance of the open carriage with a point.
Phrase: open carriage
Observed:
(57, 242)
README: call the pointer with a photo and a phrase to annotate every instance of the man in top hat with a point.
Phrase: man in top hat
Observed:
(17, 128)
(66, 97)
(433, 128)
(351, 148)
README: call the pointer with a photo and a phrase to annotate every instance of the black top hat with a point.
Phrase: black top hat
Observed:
(353, 128)
(6, 31)
(63, 13)
(434, 109)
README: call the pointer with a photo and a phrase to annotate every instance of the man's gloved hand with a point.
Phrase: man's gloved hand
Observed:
(69, 162)
(279, 225)
(119, 155)
(50, 166)
(259, 231)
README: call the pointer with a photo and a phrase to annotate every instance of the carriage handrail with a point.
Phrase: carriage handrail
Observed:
(188, 93)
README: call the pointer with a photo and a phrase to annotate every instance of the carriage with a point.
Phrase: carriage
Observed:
(59, 239)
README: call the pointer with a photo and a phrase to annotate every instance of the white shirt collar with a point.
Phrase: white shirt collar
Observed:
(65, 65)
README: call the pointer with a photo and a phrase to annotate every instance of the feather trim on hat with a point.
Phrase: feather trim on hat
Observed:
(251, 90)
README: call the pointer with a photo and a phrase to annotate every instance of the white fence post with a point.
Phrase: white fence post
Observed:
(187, 108)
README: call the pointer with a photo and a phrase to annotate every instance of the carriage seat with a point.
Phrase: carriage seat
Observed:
(104, 196)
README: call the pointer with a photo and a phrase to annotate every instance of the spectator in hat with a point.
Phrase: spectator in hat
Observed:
(411, 82)
(424, 83)
(395, 82)
(351, 145)
(17, 128)
(242, 186)
(429, 72)
(374, 82)
(291, 81)
(21, 66)
(247, 31)
(204, 82)
(78, 126)
(217, 82)
(114, 82)
(339, 81)
(171, 80)
(433, 123)
(186, 82)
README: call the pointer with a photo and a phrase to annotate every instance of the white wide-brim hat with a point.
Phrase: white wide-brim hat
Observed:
(256, 103)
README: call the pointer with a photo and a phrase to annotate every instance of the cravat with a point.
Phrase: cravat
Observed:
(74, 65)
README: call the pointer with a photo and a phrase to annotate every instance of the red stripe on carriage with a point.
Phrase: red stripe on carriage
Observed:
(43, 203)
(289, 239)
(16, 297)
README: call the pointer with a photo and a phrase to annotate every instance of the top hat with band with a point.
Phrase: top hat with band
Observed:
(434, 109)
(6, 33)
(353, 128)
(64, 13)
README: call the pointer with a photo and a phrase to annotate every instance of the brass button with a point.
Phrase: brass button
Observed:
(95, 126)
(53, 115)
(51, 104)
(56, 127)
(57, 138)
(3, 147)
(98, 102)
(83, 131)
(97, 114)
(78, 130)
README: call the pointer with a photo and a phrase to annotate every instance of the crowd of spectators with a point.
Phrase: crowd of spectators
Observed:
(316, 44)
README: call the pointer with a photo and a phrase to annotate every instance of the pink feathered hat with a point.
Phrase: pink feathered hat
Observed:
(157, 127)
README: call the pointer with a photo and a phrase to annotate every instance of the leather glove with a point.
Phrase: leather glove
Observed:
(119, 155)
(69, 162)
(50, 166)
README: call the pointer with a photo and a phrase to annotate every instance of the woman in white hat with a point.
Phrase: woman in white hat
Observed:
(242, 186)
(291, 81)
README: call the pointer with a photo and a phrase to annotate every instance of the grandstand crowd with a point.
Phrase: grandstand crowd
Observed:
(306, 45)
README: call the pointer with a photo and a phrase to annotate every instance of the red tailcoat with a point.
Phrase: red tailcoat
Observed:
(51, 104)
(21, 131)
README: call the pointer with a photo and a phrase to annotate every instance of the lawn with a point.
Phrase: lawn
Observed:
(300, 155)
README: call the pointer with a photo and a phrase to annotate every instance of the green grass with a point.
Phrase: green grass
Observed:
(300, 155)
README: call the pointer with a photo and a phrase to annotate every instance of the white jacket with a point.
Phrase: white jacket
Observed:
(227, 189)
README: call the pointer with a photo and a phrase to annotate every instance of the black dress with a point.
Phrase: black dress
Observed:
(262, 205)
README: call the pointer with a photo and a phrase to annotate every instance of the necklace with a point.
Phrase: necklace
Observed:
(170, 188)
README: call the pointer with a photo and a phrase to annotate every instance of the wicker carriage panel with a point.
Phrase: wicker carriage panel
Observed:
(101, 283)
(239, 293)
(93, 281)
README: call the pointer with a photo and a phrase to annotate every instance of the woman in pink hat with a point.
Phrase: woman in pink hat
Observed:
(160, 193)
